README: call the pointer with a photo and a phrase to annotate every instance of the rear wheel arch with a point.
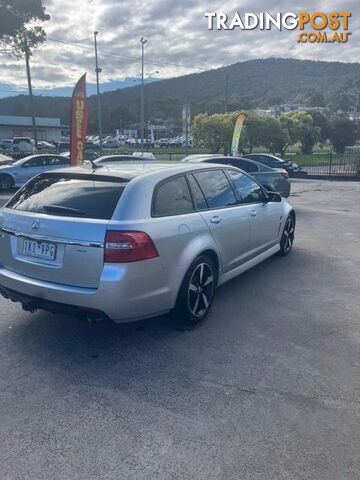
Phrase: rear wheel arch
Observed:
(214, 257)
(293, 214)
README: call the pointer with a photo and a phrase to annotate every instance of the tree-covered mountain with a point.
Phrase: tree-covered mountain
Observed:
(254, 83)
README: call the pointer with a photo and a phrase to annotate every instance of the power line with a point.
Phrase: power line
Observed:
(126, 57)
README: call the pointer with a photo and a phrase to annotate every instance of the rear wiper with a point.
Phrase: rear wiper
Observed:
(64, 210)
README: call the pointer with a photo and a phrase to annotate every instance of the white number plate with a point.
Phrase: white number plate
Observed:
(39, 249)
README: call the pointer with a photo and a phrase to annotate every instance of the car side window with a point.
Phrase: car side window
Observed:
(248, 190)
(270, 162)
(34, 162)
(54, 161)
(216, 188)
(173, 198)
(199, 199)
(244, 165)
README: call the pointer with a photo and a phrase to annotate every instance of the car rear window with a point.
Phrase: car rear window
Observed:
(71, 196)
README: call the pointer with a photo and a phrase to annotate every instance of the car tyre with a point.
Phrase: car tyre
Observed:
(288, 235)
(6, 182)
(196, 293)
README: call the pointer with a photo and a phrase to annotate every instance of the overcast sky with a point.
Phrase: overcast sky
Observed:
(178, 39)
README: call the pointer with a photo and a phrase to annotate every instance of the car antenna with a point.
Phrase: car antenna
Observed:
(94, 165)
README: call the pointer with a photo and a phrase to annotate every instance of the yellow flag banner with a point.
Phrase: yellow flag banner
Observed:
(236, 135)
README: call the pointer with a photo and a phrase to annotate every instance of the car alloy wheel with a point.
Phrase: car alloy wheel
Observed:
(196, 293)
(288, 235)
(200, 290)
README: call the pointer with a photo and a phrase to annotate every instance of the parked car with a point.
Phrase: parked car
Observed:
(175, 142)
(22, 147)
(273, 179)
(110, 143)
(20, 172)
(163, 142)
(42, 145)
(63, 147)
(134, 241)
(88, 156)
(5, 160)
(275, 162)
(144, 155)
(5, 144)
(118, 158)
(92, 146)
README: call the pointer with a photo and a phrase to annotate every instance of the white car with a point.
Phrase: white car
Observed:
(145, 155)
(20, 172)
(22, 147)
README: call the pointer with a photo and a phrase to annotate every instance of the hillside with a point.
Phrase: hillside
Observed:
(254, 83)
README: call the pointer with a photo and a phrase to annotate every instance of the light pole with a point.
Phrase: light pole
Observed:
(98, 71)
(146, 109)
(142, 41)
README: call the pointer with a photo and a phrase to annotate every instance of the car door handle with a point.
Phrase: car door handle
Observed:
(253, 213)
(215, 219)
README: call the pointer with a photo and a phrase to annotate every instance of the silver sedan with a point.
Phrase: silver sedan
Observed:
(133, 241)
(19, 172)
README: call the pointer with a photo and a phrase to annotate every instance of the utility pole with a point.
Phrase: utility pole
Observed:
(143, 41)
(31, 98)
(98, 71)
(226, 92)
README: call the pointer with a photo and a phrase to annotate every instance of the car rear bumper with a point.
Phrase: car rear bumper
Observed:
(125, 293)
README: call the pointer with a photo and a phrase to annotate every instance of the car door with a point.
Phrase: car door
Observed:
(29, 169)
(54, 162)
(228, 221)
(265, 216)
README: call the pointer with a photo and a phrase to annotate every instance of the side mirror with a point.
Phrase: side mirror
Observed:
(273, 197)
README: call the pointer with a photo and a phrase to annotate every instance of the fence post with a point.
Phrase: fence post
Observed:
(330, 163)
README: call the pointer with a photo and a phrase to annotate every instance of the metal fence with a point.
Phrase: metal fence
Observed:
(328, 163)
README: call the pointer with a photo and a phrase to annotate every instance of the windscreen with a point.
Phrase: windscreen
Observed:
(70, 196)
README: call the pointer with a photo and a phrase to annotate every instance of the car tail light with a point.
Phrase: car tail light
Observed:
(123, 247)
(285, 174)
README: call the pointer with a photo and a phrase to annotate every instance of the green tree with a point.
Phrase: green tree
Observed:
(343, 133)
(213, 131)
(19, 25)
(288, 127)
(303, 130)
(265, 132)
(20, 33)
(321, 121)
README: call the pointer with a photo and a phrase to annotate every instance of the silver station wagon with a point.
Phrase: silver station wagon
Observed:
(131, 241)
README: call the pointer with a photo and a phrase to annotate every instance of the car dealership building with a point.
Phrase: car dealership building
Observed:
(14, 126)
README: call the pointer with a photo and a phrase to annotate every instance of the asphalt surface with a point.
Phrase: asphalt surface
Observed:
(267, 389)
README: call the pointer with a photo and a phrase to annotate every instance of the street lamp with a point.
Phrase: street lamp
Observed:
(98, 71)
(146, 109)
(143, 41)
